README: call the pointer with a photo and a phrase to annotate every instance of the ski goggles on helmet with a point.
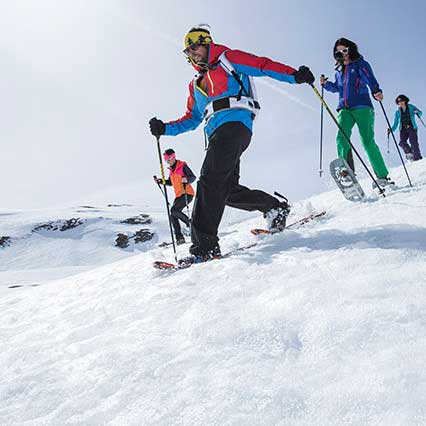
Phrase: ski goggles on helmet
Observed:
(191, 48)
(168, 157)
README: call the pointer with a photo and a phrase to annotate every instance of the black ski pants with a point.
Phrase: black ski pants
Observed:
(411, 135)
(218, 186)
(176, 213)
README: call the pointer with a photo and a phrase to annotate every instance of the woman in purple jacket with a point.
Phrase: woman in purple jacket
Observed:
(354, 80)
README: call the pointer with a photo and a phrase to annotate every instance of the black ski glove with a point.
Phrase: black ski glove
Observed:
(157, 127)
(304, 75)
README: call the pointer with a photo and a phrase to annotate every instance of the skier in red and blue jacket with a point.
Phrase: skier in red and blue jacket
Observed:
(223, 95)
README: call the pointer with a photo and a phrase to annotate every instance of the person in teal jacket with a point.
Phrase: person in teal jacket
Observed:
(405, 120)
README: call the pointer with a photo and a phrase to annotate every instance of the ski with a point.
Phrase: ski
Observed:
(300, 222)
(346, 180)
(162, 265)
(159, 264)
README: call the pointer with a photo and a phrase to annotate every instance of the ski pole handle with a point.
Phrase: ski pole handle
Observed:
(165, 196)
(163, 176)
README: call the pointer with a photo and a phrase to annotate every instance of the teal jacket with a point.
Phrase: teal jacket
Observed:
(397, 119)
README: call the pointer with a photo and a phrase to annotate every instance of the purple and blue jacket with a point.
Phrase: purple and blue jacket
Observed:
(352, 84)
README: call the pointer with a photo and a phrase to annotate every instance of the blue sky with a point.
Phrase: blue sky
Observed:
(81, 79)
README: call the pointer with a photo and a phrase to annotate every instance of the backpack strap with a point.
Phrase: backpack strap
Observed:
(246, 99)
(229, 68)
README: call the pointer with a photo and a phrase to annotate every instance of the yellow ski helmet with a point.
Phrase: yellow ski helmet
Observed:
(197, 35)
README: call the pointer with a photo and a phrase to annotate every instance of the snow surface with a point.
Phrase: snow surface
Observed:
(321, 325)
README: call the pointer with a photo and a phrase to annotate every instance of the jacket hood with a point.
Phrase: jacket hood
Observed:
(341, 67)
(214, 51)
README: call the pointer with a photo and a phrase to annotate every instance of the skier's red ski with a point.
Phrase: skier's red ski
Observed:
(300, 222)
(186, 263)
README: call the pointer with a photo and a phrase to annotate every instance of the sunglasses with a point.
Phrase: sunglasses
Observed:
(345, 50)
(399, 101)
(191, 48)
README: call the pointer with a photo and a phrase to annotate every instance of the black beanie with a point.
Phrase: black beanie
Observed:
(402, 98)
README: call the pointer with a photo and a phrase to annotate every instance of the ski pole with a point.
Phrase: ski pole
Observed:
(321, 129)
(388, 144)
(165, 196)
(186, 201)
(156, 179)
(424, 125)
(396, 145)
(159, 186)
(381, 190)
(187, 205)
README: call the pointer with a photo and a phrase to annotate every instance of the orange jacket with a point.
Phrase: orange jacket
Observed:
(176, 175)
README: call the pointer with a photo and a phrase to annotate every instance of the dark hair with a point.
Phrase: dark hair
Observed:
(352, 46)
(168, 152)
(402, 98)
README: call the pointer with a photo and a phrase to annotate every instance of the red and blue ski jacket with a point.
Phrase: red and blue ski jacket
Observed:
(352, 83)
(216, 83)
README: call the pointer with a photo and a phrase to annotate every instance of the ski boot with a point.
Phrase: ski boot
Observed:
(383, 182)
(199, 257)
(344, 177)
(276, 217)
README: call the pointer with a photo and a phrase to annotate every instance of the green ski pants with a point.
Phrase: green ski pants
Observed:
(364, 119)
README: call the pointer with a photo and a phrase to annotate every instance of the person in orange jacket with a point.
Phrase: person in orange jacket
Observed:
(180, 179)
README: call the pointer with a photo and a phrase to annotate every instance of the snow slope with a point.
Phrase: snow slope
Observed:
(322, 325)
(33, 257)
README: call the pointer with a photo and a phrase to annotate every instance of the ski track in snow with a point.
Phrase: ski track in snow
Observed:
(321, 325)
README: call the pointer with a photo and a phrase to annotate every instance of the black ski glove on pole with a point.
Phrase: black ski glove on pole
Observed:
(157, 127)
(304, 75)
